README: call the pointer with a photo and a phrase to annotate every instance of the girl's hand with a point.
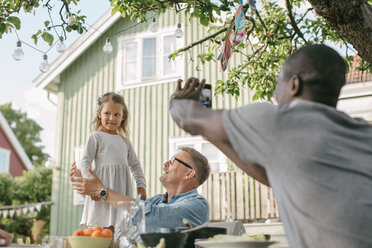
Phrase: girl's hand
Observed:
(142, 191)
(95, 198)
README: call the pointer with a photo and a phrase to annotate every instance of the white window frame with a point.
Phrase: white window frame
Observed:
(197, 142)
(159, 78)
(7, 159)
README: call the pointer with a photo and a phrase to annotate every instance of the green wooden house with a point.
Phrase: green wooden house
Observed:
(139, 69)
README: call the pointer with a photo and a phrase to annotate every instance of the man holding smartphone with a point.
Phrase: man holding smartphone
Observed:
(316, 158)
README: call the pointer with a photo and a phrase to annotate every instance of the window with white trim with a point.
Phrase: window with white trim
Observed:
(143, 59)
(4, 160)
(216, 159)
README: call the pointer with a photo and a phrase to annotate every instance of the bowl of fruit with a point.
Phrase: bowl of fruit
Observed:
(94, 237)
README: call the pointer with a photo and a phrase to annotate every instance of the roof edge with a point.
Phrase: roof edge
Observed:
(76, 49)
(15, 143)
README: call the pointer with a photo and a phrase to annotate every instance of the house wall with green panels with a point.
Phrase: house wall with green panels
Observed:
(151, 126)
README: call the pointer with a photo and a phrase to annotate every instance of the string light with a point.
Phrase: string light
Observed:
(107, 48)
(18, 53)
(179, 32)
(44, 66)
(154, 26)
(61, 46)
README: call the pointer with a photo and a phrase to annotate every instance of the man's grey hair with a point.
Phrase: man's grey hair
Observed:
(201, 163)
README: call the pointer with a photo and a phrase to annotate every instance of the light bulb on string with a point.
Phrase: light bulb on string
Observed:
(154, 26)
(18, 52)
(44, 65)
(107, 48)
(70, 19)
(61, 46)
(179, 32)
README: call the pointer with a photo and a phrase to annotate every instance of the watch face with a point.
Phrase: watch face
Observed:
(103, 192)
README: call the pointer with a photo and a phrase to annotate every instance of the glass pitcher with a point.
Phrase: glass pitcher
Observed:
(130, 223)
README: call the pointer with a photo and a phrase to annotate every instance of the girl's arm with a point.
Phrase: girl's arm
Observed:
(136, 169)
(88, 155)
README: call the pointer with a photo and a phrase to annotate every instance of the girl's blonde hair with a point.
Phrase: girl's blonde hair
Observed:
(115, 98)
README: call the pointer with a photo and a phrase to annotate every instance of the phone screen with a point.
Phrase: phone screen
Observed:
(206, 96)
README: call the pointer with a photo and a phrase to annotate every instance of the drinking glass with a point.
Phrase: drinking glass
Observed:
(130, 222)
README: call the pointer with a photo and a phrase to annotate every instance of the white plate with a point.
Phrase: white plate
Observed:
(234, 244)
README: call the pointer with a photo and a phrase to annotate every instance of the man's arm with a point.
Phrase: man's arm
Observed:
(92, 186)
(193, 118)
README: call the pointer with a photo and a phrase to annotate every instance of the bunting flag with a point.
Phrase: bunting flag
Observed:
(240, 30)
(234, 37)
(11, 213)
(38, 207)
(24, 210)
(18, 210)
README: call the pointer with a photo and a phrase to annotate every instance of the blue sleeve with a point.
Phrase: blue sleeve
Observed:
(171, 215)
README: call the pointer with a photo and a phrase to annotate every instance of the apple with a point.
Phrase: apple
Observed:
(78, 232)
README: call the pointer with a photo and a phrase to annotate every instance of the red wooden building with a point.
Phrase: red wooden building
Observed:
(13, 158)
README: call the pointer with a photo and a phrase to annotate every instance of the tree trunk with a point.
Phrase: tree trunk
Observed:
(36, 230)
(352, 19)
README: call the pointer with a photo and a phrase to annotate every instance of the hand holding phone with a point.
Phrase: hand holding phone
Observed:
(206, 96)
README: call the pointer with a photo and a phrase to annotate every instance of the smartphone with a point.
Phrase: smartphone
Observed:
(206, 96)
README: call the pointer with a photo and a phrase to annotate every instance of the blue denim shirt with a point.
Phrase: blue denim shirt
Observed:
(189, 205)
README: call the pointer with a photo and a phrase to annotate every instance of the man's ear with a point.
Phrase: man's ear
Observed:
(190, 174)
(295, 85)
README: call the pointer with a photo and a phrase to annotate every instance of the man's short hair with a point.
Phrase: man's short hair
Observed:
(321, 70)
(201, 163)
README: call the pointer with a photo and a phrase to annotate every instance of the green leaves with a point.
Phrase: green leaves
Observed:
(36, 36)
(47, 37)
(33, 186)
(15, 21)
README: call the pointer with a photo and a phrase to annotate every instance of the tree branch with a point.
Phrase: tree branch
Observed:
(262, 23)
(198, 42)
(307, 11)
(292, 20)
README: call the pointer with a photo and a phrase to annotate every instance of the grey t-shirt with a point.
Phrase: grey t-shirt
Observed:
(319, 164)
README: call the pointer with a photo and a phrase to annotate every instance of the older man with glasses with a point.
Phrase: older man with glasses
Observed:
(183, 174)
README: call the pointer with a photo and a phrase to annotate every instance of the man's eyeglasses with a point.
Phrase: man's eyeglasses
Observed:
(180, 161)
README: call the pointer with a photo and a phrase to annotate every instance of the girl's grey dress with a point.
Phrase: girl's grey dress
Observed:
(110, 156)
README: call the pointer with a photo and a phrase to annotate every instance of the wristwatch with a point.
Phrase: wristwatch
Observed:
(103, 193)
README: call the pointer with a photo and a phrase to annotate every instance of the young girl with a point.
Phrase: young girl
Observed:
(112, 154)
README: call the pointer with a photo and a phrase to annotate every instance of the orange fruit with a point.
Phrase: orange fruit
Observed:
(107, 233)
(78, 232)
(88, 232)
(97, 234)
(95, 228)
